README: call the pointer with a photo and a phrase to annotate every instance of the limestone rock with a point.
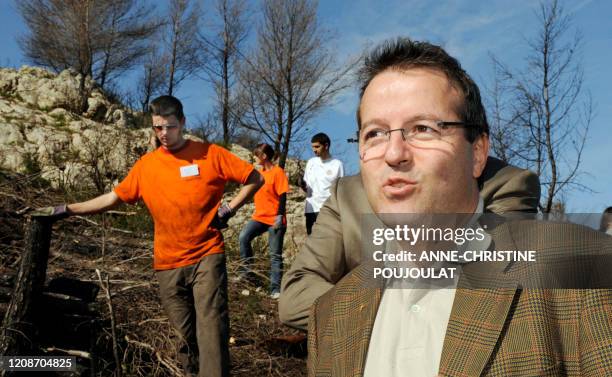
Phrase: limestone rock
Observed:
(97, 106)
(8, 82)
(41, 134)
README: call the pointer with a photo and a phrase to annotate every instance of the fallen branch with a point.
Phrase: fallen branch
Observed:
(134, 286)
(19, 199)
(61, 296)
(116, 281)
(164, 319)
(131, 287)
(96, 224)
(145, 255)
(162, 360)
(106, 289)
(122, 213)
(83, 354)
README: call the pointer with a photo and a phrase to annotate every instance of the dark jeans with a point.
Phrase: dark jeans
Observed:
(195, 300)
(275, 237)
(311, 217)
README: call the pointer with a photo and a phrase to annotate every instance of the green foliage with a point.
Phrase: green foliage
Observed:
(140, 222)
(136, 220)
(60, 121)
(30, 164)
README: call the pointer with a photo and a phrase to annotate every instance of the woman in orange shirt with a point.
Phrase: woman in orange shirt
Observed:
(270, 202)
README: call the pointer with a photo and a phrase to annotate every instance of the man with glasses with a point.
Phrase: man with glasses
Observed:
(423, 146)
(182, 183)
(336, 248)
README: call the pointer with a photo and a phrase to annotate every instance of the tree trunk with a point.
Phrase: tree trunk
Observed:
(83, 95)
(18, 329)
(225, 116)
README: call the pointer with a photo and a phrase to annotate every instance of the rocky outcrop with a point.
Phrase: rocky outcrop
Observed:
(65, 149)
(40, 89)
(42, 134)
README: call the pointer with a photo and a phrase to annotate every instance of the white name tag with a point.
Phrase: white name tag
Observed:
(189, 171)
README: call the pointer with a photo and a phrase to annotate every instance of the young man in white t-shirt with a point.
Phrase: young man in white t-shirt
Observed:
(321, 171)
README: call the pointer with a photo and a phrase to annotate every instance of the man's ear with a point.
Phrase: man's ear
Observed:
(480, 152)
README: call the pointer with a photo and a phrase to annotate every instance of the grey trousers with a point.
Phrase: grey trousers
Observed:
(195, 300)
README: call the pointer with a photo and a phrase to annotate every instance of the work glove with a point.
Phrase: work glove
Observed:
(224, 213)
(54, 213)
(278, 222)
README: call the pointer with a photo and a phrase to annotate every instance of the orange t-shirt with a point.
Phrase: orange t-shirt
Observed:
(183, 191)
(267, 198)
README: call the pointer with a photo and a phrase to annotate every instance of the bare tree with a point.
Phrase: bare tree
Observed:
(502, 136)
(95, 38)
(126, 39)
(152, 80)
(223, 47)
(55, 39)
(291, 74)
(61, 35)
(183, 48)
(544, 113)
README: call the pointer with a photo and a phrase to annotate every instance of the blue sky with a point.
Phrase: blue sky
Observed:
(468, 30)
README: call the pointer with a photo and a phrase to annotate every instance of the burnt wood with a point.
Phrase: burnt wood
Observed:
(18, 333)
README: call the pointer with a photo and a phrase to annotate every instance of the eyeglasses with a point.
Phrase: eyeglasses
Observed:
(421, 133)
(166, 127)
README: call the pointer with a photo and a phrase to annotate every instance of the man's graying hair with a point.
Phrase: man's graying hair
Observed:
(402, 54)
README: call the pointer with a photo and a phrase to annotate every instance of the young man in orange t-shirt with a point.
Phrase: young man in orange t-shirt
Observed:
(182, 184)
(270, 202)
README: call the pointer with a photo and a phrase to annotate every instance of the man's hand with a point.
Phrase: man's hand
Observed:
(225, 212)
(55, 213)
(278, 222)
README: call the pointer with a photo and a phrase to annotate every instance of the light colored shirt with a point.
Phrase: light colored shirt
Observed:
(410, 325)
(319, 176)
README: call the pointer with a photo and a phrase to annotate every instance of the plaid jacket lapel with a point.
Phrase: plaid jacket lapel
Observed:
(479, 314)
(355, 310)
(475, 325)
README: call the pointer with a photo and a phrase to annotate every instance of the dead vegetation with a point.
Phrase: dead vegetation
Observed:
(119, 246)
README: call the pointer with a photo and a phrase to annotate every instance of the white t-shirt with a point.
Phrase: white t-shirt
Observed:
(319, 176)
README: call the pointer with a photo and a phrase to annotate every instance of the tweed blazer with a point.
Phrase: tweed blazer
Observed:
(334, 248)
(510, 331)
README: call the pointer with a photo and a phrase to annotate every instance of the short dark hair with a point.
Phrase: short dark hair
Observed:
(166, 106)
(264, 149)
(321, 138)
(401, 54)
